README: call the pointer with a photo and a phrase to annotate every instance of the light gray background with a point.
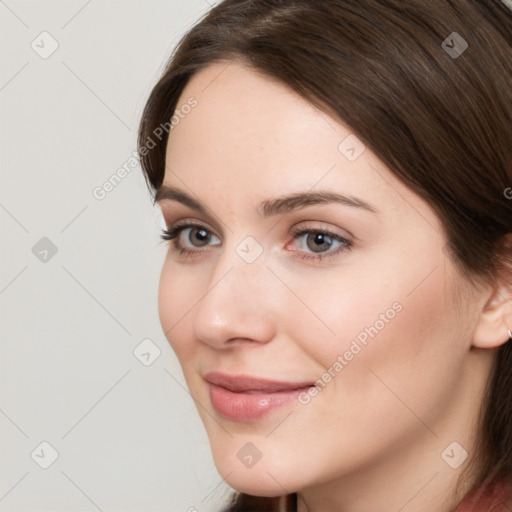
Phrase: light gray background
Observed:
(128, 436)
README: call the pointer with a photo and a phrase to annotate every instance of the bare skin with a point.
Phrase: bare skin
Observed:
(374, 437)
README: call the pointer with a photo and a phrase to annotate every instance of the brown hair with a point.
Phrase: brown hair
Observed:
(441, 122)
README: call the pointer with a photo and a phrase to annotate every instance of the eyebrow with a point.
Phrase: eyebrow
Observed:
(274, 206)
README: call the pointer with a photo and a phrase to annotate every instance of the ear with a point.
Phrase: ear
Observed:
(495, 320)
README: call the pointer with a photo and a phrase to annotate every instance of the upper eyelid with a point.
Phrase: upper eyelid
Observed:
(297, 230)
(191, 223)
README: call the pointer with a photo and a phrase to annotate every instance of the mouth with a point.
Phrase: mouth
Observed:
(252, 385)
(243, 398)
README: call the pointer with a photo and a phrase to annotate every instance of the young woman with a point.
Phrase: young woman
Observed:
(336, 181)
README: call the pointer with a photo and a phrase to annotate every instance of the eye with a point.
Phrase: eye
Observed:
(318, 241)
(194, 233)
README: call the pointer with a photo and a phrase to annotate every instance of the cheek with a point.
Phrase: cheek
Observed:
(396, 307)
(176, 297)
(401, 349)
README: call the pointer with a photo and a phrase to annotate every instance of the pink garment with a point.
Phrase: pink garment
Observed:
(495, 497)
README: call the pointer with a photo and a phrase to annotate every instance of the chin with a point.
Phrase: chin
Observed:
(264, 478)
(257, 484)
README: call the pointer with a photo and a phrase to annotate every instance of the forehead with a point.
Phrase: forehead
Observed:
(252, 135)
(246, 124)
(240, 108)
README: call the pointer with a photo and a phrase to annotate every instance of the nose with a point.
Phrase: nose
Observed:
(238, 305)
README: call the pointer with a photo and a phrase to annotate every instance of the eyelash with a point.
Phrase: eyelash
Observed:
(172, 234)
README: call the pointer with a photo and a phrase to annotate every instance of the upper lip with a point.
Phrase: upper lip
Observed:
(241, 383)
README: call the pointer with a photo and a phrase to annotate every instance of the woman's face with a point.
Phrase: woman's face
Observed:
(361, 301)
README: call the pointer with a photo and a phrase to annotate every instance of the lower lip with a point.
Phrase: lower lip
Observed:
(249, 407)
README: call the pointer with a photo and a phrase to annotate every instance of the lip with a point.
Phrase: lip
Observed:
(245, 398)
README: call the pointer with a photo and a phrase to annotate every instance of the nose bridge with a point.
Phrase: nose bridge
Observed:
(238, 300)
